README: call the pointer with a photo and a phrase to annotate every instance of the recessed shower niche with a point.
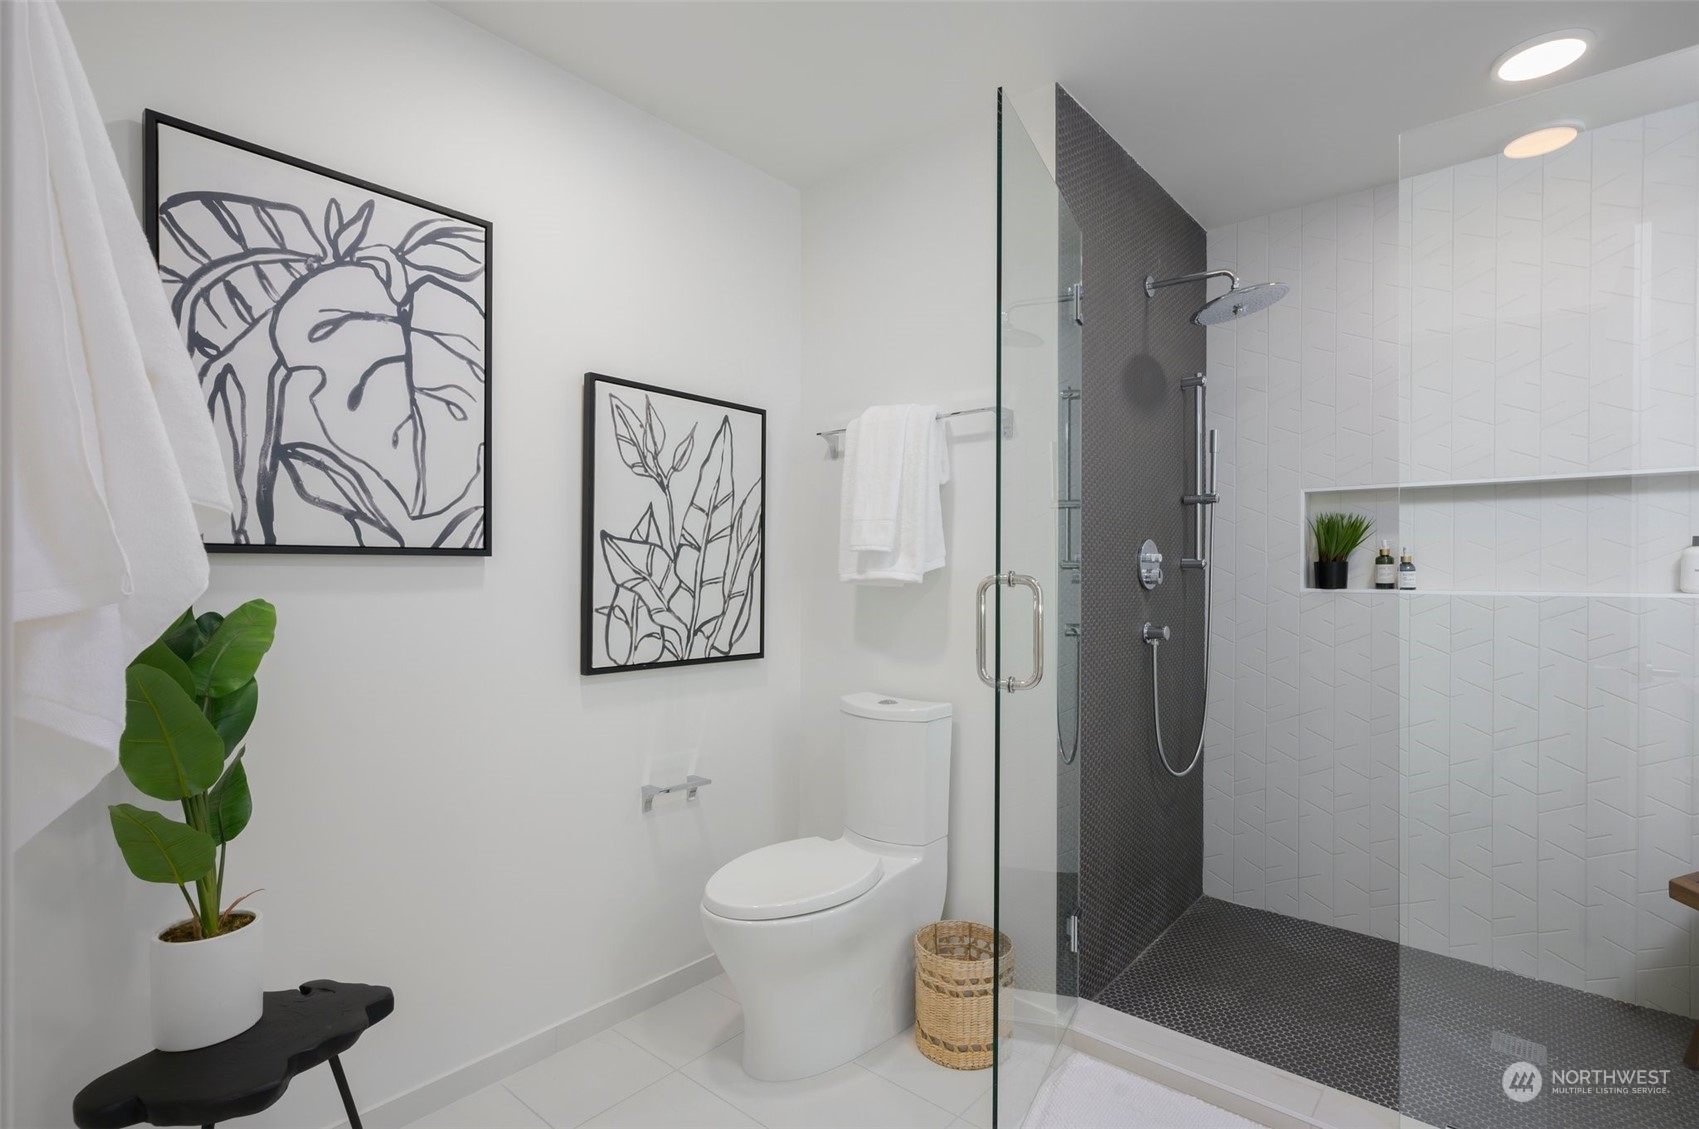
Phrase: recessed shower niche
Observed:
(1616, 533)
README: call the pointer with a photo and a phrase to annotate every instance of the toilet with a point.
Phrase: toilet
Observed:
(816, 934)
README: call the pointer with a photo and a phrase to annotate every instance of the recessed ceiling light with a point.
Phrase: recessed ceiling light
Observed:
(1546, 139)
(1541, 56)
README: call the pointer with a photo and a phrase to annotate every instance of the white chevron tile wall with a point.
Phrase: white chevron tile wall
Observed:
(1502, 766)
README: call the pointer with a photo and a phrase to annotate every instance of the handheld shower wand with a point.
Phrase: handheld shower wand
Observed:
(1206, 448)
(1239, 301)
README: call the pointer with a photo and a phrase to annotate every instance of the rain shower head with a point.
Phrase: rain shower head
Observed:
(1239, 301)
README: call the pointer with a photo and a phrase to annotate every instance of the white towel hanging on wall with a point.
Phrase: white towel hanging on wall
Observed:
(919, 463)
(873, 479)
(112, 445)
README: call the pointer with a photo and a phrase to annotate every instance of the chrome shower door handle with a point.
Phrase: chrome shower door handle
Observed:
(1020, 579)
(985, 587)
(981, 651)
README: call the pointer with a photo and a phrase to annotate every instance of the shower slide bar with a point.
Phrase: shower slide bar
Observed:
(834, 437)
(1206, 447)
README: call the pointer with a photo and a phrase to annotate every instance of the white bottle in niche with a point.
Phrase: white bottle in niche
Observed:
(1687, 572)
(1407, 572)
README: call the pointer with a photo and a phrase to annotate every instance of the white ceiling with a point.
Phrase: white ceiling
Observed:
(1238, 107)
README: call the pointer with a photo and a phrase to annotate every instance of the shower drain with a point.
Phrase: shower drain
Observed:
(1524, 1050)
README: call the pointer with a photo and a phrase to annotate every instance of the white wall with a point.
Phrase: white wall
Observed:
(1501, 767)
(899, 276)
(442, 804)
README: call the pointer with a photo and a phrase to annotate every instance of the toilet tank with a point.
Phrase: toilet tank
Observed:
(896, 768)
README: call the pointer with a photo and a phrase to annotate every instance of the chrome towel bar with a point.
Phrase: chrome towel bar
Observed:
(1006, 416)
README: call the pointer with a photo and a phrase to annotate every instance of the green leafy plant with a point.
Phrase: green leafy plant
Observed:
(1337, 535)
(190, 699)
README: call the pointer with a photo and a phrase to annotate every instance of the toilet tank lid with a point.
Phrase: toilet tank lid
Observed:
(888, 707)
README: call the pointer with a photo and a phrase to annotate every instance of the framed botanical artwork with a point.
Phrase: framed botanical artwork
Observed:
(675, 528)
(341, 331)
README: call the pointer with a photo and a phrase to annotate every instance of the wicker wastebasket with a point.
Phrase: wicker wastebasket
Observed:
(955, 989)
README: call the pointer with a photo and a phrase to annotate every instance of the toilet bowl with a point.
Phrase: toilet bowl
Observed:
(816, 934)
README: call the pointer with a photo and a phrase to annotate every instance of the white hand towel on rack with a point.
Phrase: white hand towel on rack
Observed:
(113, 446)
(873, 475)
(918, 546)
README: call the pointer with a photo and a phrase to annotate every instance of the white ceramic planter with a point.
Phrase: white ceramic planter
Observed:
(205, 992)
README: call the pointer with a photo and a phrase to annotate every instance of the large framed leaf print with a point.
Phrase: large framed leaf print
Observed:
(675, 530)
(341, 331)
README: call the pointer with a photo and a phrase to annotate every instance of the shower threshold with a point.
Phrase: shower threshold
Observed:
(1431, 1036)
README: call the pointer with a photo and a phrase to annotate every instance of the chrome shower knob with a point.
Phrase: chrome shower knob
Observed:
(1154, 635)
(1150, 564)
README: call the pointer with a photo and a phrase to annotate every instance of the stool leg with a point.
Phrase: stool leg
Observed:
(347, 1098)
(1692, 1058)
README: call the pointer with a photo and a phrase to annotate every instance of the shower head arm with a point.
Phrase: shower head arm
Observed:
(1152, 284)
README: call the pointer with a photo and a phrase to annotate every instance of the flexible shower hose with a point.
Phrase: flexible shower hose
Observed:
(1155, 668)
(1068, 756)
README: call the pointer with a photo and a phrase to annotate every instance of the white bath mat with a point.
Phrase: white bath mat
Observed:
(1087, 1093)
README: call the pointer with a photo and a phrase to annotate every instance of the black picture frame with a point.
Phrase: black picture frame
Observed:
(482, 370)
(601, 434)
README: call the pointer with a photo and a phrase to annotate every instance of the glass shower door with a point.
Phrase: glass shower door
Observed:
(1549, 974)
(1034, 670)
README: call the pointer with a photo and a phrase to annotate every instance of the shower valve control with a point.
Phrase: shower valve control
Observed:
(1154, 634)
(1150, 564)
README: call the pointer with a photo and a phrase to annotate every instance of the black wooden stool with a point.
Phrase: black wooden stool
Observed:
(240, 1076)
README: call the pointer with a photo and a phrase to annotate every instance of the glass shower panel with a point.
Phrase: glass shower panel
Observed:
(1548, 481)
(1036, 595)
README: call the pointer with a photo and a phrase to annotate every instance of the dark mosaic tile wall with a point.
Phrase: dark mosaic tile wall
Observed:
(1141, 859)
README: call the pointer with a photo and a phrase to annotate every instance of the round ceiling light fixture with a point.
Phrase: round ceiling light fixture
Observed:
(1543, 55)
(1546, 139)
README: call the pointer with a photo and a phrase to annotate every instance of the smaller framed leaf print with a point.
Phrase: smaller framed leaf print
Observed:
(674, 528)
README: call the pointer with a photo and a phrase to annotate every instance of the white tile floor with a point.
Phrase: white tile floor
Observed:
(679, 1065)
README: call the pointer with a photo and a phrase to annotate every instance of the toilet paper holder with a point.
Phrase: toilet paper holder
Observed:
(688, 786)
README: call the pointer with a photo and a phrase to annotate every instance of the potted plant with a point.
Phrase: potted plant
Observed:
(1337, 536)
(191, 697)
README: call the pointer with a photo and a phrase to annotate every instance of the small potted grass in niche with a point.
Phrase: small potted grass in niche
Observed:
(190, 699)
(1337, 536)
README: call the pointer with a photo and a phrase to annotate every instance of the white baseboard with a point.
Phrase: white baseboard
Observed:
(404, 1109)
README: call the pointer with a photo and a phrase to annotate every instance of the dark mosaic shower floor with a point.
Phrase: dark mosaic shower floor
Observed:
(1326, 1003)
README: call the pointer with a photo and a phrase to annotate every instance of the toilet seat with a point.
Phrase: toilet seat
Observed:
(790, 879)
